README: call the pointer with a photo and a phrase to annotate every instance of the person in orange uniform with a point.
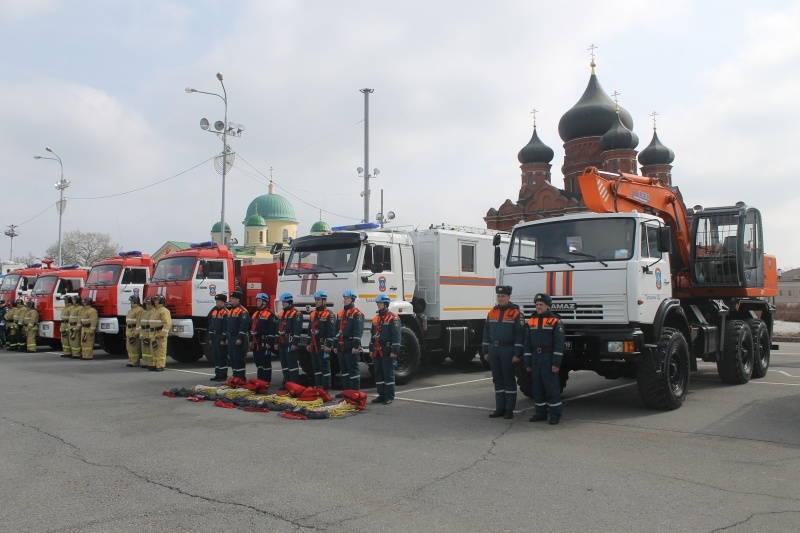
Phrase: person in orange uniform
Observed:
(503, 336)
(384, 347)
(264, 329)
(322, 329)
(544, 350)
(238, 335)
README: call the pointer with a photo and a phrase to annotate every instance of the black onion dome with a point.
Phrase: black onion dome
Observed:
(656, 153)
(593, 115)
(619, 138)
(535, 151)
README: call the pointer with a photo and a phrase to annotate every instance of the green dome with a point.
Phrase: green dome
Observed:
(255, 220)
(215, 228)
(320, 226)
(272, 207)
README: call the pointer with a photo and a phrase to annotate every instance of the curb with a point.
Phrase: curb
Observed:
(785, 338)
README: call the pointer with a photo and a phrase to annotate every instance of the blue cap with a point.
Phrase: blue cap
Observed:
(382, 299)
(262, 296)
(287, 297)
(320, 295)
(350, 294)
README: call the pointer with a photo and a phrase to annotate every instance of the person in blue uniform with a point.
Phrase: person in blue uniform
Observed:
(503, 336)
(544, 350)
(290, 325)
(384, 347)
(350, 326)
(216, 337)
(238, 335)
(264, 328)
(322, 330)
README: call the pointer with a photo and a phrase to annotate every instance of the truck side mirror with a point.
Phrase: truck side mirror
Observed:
(277, 247)
(376, 268)
(496, 255)
(665, 239)
(496, 240)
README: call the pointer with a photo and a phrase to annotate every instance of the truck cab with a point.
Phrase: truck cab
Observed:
(50, 294)
(110, 285)
(19, 283)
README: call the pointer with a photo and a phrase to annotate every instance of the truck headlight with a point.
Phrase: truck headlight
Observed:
(178, 329)
(615, 346)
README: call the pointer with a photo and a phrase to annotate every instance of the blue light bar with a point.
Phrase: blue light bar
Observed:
(207, 244)
(356, 227)
(132, 252)
(70, 267)
(35, 265)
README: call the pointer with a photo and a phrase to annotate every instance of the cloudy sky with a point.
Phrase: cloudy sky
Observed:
(102, 84)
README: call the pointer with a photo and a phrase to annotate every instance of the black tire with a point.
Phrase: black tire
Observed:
(112, 344)
(665, 390)
(762, 345)
(736, 365)
(409, 357)
(184, 350)
(55, 344)
(524, 381)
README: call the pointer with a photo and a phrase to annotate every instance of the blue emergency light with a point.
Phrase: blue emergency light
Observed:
(207, 244)
(70, 267)
(131, 253)
(356, 227)
(35, 265)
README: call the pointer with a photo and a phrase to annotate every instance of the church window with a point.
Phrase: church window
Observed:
(261, 237)
(285, 235)
(530, 178)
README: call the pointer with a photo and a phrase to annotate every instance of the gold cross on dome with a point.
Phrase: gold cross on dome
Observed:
(654, 115)
(534, 116)
(591, 51)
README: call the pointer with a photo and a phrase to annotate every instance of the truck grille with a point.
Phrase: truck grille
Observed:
(591, 309)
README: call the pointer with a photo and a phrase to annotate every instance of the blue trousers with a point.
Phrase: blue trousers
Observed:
(289, 364)
(384, 376)
(349, 370)
(504, 379)
(321, 363)
(263, 360)
(236, 353)
(219, 354)
(546, 387)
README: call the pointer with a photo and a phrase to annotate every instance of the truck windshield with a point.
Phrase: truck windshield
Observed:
(104, 275)
(10, 282)
(323, 259)
(573, 241)
(44, 285)
(175, 269)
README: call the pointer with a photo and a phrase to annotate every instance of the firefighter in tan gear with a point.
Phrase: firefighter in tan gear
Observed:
(88, 329)
(144, 334)
(134, 346)
(31, 323)
(11, 326)
(17, 338)
(75, 328)
(160, 324)
(64, 328)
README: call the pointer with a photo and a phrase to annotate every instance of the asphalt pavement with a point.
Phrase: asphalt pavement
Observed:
(93, 446)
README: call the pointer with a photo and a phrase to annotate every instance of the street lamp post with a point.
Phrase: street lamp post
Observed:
(11, 232)
(60, 186)
(222, 130)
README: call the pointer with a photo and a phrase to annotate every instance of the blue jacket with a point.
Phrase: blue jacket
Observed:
(504, 331)
(544, 334)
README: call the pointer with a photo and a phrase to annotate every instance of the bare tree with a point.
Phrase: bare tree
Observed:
(83, 248)
(28, 259)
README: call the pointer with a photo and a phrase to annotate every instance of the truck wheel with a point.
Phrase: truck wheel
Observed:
(111, 344)
(524, 380)
(761, 343)
(408, 358)
(736, 365)
(666, 389)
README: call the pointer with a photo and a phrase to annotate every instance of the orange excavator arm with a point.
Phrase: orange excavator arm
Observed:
(606, 192)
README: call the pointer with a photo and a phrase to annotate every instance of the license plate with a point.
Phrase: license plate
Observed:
(105, 326)
(568, 345)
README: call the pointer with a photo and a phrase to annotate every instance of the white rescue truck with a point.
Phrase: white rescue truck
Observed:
(441, 281)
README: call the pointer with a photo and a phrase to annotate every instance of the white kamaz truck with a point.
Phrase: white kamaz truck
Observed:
(441, 282)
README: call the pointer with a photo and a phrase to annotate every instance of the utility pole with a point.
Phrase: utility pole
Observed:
(366, 153)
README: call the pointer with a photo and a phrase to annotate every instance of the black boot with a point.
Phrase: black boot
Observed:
(497, 413)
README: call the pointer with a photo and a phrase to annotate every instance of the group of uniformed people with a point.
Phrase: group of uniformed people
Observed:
(146, 331)
(78, 328)
(21, 325)
(538, 343)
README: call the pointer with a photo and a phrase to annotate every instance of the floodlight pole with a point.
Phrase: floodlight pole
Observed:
(61, 185)
(11, 232)
(366, 152)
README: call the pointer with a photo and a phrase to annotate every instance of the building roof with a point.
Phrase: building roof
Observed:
(272, 206)
(535, 151)
(320, 226)
(593, 115)
(255, 220)
(656, 153)
(215, 228)
(618, 137)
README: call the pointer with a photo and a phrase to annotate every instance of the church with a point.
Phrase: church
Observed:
(597, 132)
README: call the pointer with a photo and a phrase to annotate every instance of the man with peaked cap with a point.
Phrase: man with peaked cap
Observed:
(544, 349)
(238, 335)
(503, 336)
(216, 337)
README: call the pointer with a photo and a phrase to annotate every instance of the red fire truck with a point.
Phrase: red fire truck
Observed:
(19, 283)
(49, 294)
(110, 285)
(190, 279)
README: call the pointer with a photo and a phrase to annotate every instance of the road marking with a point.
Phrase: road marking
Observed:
(444, 404)
(445, 385)
(597, 392)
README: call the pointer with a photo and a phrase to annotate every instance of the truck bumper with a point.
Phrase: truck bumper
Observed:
(624, 344)
(109, 326)
(183, 328)
(47, 330)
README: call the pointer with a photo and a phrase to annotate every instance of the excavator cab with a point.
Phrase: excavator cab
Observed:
(727, 248)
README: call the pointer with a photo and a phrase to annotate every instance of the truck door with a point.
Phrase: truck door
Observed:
(387, 281)
(653, 273)
(131, 284)
(409, 277)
